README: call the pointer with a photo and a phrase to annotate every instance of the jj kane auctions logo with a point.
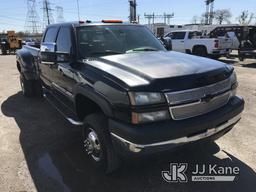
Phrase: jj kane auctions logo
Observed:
(177, 173)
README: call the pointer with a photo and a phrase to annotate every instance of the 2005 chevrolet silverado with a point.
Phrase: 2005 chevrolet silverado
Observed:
(129, 93)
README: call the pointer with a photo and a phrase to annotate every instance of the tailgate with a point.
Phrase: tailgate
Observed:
(225, 43)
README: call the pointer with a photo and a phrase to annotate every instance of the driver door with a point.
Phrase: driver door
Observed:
(62, 71)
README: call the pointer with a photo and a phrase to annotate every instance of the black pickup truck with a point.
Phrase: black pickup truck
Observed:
(131, 96)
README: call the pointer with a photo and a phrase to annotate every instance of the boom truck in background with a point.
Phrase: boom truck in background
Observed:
(10, 43)
(129, 94)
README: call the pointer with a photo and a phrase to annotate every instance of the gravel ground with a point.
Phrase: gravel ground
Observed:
(40, 151)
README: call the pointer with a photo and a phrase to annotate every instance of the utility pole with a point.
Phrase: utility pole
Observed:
(47, 13)
(166, 17)
(209, 14)
(32, 19)
(133, 11)
(60, 17)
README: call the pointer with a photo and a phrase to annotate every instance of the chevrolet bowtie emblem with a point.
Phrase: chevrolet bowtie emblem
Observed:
(208, 98)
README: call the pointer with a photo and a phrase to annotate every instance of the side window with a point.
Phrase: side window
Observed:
(64, 42)
(178, 35)
(191, 35)
(169, 35)
(50, 35)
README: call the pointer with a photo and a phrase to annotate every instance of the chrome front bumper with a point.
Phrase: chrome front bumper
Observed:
(136, 148)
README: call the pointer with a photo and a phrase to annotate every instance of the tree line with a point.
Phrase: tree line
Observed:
(222, 16)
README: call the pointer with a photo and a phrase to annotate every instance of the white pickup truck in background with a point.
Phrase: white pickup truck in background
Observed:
(192, 42)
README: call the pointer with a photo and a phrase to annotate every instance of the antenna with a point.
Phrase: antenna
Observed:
(32, 18)
(78, 10)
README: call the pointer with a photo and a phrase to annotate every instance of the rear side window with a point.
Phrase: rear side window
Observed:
(50, 35)
(178, 35)
(64, 40)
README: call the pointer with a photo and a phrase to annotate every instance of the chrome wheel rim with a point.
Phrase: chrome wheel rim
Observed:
(92, 145)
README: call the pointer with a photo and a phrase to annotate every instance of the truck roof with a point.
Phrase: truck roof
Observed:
(185, 30)
(88, 23)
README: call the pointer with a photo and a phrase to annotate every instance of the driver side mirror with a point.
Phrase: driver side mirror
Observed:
(167, 43)
(47, 51)
(51, 56)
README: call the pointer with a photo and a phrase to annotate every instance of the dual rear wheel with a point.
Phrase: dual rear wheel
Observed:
(31, 88)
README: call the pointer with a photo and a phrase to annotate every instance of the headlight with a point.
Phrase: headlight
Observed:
(150, 116)
(144, 98)
(234, 83)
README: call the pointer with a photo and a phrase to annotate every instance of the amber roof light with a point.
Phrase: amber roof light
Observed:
(112, 21)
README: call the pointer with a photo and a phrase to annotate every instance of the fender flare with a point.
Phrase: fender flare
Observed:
(89, 93)
(27, 66)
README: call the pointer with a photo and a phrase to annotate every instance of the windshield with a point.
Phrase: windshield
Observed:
(96, 41)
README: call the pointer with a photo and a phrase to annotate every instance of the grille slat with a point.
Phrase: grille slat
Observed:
(191, 103)
(199, 108)
(198, 93)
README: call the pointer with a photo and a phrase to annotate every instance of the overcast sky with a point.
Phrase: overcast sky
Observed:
(13, 13)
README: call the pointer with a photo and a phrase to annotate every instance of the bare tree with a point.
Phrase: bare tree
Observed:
(195, 19)
(222, 15)
(245, 18)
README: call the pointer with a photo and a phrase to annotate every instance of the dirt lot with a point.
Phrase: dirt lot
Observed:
(40, 151)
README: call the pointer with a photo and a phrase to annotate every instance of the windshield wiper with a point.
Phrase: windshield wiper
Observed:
(107, 52)
(142, 49)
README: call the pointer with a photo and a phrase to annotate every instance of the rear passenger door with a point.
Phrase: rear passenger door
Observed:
(178, 41)
(47, 55)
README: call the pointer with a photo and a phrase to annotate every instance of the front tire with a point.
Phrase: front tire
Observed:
(97, 143)
(4, 51)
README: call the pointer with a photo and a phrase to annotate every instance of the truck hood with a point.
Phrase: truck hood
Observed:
(137, 69)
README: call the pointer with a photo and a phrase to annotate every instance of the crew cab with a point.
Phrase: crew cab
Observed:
(192, 42)
(129, 94)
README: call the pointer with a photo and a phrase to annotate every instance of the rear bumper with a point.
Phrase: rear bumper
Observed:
(221, 51)
(151, 138)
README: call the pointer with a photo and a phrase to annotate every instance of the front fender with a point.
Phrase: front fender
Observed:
(89, 93)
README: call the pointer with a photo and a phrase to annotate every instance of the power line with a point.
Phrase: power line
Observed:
(166, 17)
(32, 18)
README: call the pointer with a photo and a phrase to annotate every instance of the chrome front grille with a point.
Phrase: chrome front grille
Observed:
(199, 108)
(195, 102)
